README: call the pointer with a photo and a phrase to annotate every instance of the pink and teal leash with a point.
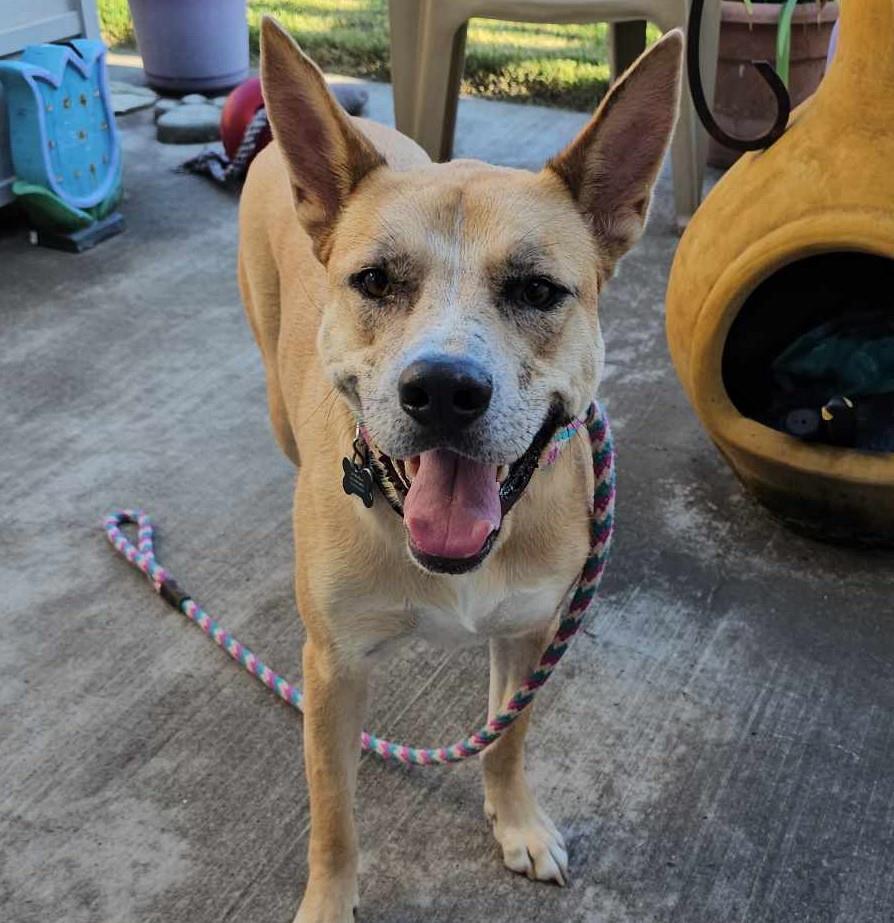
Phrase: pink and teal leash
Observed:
(142, 556)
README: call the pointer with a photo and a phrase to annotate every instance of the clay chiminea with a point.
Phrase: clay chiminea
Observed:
(790, 237)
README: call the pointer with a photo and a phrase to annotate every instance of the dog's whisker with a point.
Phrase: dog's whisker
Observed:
(329, 395)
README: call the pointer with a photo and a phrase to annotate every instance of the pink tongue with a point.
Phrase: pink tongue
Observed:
(452, 505)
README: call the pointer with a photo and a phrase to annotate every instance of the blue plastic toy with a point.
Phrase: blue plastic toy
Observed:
(65, 148)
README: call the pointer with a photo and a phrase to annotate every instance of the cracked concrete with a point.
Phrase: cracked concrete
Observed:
(717, 747)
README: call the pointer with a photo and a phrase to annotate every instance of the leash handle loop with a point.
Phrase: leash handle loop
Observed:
(142, 556)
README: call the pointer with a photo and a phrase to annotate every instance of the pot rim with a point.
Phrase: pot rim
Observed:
(851, 229)
(767, 14)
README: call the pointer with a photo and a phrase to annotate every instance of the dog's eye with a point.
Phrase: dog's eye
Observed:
(374, 283)
(537, 292)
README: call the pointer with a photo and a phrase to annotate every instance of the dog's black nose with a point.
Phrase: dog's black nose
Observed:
(445, 391)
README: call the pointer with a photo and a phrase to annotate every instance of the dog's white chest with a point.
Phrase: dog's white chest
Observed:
(482, 608)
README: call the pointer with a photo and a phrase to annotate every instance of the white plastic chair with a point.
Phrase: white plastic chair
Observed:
(428, 40)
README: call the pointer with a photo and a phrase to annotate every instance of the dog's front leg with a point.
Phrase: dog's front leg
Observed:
(530, 841)
(335, 703)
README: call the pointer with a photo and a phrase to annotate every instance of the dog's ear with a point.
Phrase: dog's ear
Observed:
(611, 166)
(326, 155)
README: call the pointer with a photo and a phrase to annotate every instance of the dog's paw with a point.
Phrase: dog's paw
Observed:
(327, 908)
(325, 915)
(531, 843)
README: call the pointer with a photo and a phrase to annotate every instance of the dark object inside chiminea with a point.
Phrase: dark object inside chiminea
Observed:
(811, 352)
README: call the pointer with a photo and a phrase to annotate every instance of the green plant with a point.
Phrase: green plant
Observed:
(784, 35)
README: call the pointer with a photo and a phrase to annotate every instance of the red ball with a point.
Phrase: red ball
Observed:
(237, 113)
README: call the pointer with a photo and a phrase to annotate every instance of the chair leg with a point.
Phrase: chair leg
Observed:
(440, 76)
(627, 43)
(709, 48)
(687, 169)
(689, 145)
(405, 19)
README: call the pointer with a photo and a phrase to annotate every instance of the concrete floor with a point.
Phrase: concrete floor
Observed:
(717, 747)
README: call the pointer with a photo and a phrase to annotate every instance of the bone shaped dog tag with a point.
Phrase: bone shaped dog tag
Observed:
(358, 480)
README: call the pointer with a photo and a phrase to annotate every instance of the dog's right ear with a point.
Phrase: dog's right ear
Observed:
(326, 155)
(611, 166)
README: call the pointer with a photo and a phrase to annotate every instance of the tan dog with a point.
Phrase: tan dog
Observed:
(454, 307)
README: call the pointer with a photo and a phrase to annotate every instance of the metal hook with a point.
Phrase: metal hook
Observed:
(783, 101)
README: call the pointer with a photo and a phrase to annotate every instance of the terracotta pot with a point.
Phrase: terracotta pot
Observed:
(825, 188)
(743, 103)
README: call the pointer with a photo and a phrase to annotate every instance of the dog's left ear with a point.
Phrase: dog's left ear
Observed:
(326, 155)
(611, 166)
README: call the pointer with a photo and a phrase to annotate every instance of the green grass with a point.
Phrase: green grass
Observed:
(557, 65)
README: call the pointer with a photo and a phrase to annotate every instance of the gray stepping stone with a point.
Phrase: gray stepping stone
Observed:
(128, 97)
(122, 86)
(129, 102)
(219, 101)
(194, 99)
(192, 124)
(352, 98)
(165, 105)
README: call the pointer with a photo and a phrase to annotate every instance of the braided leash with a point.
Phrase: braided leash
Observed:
(142, 556)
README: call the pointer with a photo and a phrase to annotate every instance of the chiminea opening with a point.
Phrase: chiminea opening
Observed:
(811, 352)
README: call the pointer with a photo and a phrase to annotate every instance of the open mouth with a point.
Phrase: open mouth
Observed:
(453, 506)
(452, 509)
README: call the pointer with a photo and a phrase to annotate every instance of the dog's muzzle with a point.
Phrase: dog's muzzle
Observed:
(370, 466)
